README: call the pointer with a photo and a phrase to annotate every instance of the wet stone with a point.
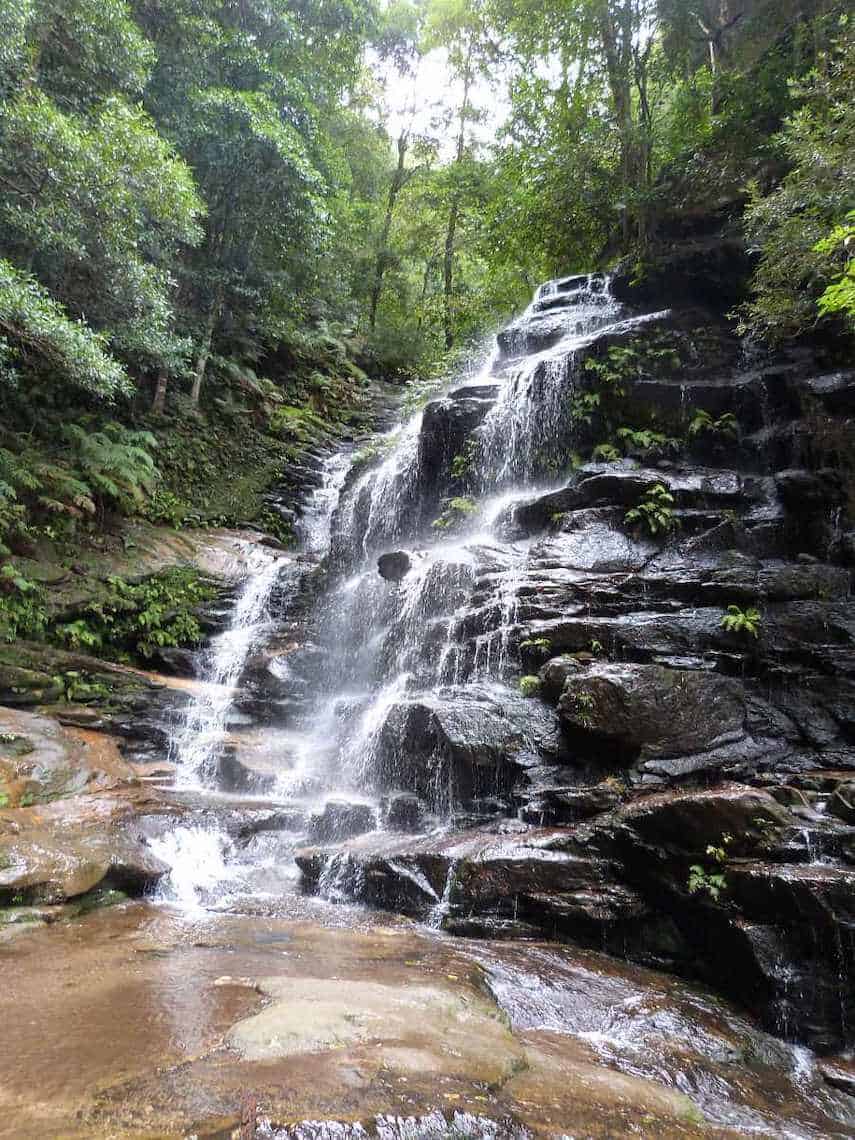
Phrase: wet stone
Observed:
(652, 711)
(341, 820)
(394, 566)
(403, 811)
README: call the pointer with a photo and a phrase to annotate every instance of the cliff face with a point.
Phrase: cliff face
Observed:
(683, 778)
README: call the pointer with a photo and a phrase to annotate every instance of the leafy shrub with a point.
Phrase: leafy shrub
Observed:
(796, 226)
(132, 620)
(32, 323)
(647, 442)
(165, 507)
(737, 620)
(536, 643)
(463, 463)
(116, 463)
(711, 880)
(22, 609)
(655, 511)
(606, 452)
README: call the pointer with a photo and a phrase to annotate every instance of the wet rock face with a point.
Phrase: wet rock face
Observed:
(403, 811)
(394, 566)
(340, 820)
(448, 751)
(651, 712)
(655, 731)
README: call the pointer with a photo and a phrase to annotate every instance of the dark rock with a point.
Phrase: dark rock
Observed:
(835, 391)
(712, 270)
(403, 811)
(842, 802)
(394, 566)
(654, 712)
(341, 820)
(803, 490)
(839, 1072)
(689, 821)
(565, 805)
(447, 750)
(235, 776)
(180, 662)
(555, 674)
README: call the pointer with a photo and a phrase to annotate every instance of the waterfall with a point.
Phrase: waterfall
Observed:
(203, 731)
(368, 646)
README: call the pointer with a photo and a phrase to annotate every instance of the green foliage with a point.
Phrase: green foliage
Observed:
(132, 620)
(32, 323)
(798, 226)
(116, 463)
(606, 453)
(711, 879)
(647, 443)
(583, 405)
(654, 513)
(583, 708)
(537, 643)
(839, 296)
(463, 463)
(657, 354)
(529, 685)
(737, 620)
(455, 512)
(22, 608)
(376, 449)
(702, 423)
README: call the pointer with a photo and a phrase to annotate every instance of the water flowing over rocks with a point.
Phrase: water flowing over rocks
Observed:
(639, 687)
(486, 696)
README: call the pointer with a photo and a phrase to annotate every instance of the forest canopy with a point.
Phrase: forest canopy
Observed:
(203, 198)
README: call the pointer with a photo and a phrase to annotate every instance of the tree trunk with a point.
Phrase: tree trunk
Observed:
(398, 180)
(158, 404)
(454, 209)
(616, 34)
(205, 350)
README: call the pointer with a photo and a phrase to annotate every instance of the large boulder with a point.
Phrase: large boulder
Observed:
(394, 566)
(653, 712)
(689, 821)
(68, 848)
(448, 751)
(340, 820)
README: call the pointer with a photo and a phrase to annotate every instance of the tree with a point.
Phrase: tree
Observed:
(800, 228)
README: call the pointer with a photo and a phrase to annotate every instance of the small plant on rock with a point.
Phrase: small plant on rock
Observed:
(456, 510)
(737, 620)
(702, 423)
(647, 443)
(464, 462)
(711, 880)
(655, 512)
(529, 685)
(583, 405)
(583, 704)
(606, 453)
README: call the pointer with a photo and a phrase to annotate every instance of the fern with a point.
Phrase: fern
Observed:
(655, 511)
(116, 462)
(737, 620)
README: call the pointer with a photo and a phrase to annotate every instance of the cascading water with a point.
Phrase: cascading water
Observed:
(358, 671)
(201, 735)
(374, 642)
